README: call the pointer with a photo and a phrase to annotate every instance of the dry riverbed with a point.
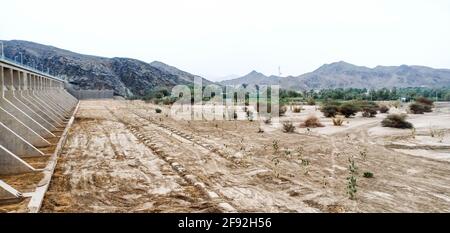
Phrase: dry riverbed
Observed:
(122, 156)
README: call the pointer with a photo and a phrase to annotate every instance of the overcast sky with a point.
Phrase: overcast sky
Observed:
(216, 38)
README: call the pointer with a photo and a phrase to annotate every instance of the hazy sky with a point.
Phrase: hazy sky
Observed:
(216, 38)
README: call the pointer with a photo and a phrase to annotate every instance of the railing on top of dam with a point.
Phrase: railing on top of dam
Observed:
(12, 62)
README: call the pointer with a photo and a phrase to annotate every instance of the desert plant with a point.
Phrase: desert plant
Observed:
(369, 108)
(288, 153)
(396, 121)
(349, 109)
(363, 153)
(419, 108)
(297, 109)
(276, 162)
(351, 179)
(311, 122)
(288, 127)
(275, 145)
(384, 109)
(300, 151)
(424, 101)
(268, 121)
(369, 112)
(305, 163)
(330, 109)
(338, 121)
(368, 175)
(260, 130)
(158, 110)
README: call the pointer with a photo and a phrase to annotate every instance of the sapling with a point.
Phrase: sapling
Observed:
(305, 163)
(276, 162)
(363, 154)
(275, 146)
(351, 179)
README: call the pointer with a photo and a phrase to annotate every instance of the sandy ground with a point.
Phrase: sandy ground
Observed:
(121, 156)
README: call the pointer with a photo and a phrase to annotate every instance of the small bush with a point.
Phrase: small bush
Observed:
(329, 111)
(369, 112)
(268, 121)
(349, 109)
(424, 101)
(330, 108)
(396, 121)
(297, 109)
(311, 101)
(338, 121)
(311, 122)
(368, 175)
(384, 109)
(158, 110)
(288, 127)
(419, 108)
(369, 108)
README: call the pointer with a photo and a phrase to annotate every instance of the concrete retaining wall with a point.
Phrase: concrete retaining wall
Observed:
(90, 94)
(34, 110)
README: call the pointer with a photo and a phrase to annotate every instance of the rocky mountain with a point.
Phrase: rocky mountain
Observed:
(345, 75)
(253, 78)
(177, 72)
(127, 77)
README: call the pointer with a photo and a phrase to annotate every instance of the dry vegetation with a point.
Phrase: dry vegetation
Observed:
(311, 122)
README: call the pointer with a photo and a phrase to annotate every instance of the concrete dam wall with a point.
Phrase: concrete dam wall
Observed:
(34, 112)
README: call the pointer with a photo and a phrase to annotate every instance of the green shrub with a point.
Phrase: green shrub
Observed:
(330, 108)
(419, 108)
(369, 112)
(396, 121)
(288, 127)
(158, 110)
(369, 108)
(368, 175)
(384, 109)
(349, 109)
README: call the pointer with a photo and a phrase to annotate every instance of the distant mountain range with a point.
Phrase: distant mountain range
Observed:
(131, 77)
(127, 77)
(345, 75)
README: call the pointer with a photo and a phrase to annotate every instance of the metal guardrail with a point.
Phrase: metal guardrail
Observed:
(29, 68)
